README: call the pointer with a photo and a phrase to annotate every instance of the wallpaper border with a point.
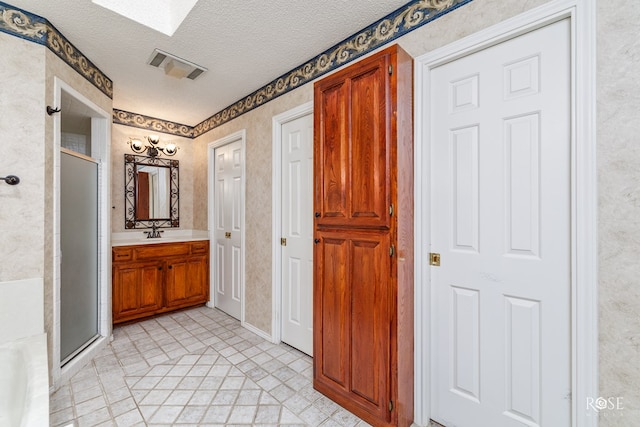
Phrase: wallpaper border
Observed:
(34, 28)
(140, 121)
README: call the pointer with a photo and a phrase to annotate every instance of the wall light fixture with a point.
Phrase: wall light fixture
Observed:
(153, 148)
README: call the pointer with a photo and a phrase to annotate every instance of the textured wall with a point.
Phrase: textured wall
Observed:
(618, 93)
(22, 136)
(120, 134)
(27, 214)
(258, 198)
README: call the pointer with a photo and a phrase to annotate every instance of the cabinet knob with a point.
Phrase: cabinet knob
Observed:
(159, 268)
(317, 214)
(316, 241)
(170, 267)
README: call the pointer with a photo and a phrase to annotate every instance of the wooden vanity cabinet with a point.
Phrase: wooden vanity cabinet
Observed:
(363, 252)
(157, 278)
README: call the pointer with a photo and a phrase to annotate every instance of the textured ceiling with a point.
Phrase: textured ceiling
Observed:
(244, 44)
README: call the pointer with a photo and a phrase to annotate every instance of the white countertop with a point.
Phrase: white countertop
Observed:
(138, 237)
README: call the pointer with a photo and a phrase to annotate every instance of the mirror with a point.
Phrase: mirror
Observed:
(151, 192)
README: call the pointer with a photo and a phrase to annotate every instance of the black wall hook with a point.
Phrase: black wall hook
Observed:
(10, 179)
(50, 110)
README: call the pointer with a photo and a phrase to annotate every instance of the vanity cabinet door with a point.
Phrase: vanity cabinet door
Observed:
(137, 289)
(187, 280)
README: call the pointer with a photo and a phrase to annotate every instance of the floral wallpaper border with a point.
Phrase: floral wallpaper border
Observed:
(37, 29)
(140, 121)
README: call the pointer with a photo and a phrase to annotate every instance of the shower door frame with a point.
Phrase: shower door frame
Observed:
(101, 152)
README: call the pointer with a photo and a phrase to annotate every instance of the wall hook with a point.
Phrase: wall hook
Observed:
(10, 179)
(51, 111)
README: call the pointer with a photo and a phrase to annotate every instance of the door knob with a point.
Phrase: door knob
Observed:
(317, 214)
(227, 235)
(316, 241)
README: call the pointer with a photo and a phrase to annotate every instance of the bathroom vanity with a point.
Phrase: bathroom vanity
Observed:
(153, 276)
(149, 279)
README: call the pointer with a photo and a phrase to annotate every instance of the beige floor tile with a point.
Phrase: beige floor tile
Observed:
(197, 367)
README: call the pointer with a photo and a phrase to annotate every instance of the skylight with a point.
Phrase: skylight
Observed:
(164, 16)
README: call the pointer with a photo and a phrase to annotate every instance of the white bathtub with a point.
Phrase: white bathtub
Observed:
(24, 382)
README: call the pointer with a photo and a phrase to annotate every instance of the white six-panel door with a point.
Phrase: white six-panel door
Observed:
(297, 229)
(500, 219)
(228, 207)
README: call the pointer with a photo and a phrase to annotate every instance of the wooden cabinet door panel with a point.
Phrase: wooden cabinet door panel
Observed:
(332, 152)
(331, 309)
(351, 306)
(369, 147)
(177, 279)
(198, 287)
(352, 151)
(187, 280)
(125, 291)
(370, 320)
(137, 288)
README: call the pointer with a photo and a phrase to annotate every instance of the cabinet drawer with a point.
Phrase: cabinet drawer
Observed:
(199, 247)
(156, 251)
(125, 254)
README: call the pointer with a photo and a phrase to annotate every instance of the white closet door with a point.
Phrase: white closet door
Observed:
(228, 205)
(297, 229)
(500, 218)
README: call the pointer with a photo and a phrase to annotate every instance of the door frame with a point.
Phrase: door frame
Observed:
(241, 136)
(584, 253)
(101, 152)
(276, 179)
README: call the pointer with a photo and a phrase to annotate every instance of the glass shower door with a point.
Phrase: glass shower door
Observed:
(79, 253)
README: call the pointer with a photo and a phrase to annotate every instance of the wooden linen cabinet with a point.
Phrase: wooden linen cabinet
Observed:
(363, 234)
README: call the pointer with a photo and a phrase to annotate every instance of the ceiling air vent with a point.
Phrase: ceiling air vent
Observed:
(174, 66)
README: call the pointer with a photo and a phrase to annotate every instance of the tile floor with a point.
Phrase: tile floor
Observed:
(195, 367)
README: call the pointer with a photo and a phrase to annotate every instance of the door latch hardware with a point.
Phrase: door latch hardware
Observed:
(391, 210)
(390, 405)
(392, 250)
(434, 259)
(283, 241)
(227, 235)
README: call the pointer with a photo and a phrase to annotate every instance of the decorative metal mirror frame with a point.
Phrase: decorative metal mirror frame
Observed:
(130, 185)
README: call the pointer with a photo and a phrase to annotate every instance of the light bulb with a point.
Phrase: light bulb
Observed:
(136, 145)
